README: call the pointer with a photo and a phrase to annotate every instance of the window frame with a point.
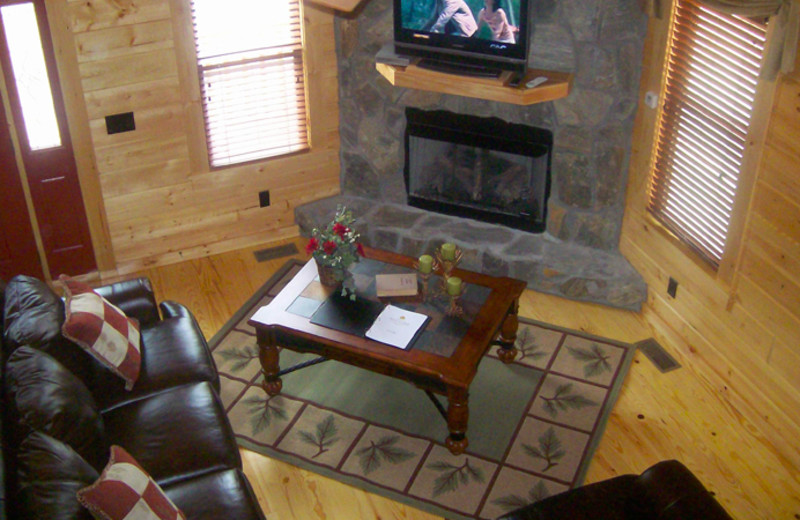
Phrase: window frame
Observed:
(751, 158)
(189, 77)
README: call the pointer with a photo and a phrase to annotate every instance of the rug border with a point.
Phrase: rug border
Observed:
(414, 502)
(613, 393)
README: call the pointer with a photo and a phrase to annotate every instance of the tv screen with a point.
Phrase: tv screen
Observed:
(488, 34)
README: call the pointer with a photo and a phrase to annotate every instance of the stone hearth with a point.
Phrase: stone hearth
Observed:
(601, 43)
(548, 265)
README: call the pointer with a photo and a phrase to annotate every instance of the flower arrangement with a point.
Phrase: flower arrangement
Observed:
(336, 246)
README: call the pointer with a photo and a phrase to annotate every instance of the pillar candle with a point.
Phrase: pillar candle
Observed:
(454, 286)
(448, 251)
(425, 264)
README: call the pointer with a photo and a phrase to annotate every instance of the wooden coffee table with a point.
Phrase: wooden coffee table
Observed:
(444, 358)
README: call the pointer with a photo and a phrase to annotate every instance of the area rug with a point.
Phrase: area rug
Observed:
(533, 425)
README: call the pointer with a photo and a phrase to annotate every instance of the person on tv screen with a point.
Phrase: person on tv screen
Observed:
(454, 17)
(496, 19)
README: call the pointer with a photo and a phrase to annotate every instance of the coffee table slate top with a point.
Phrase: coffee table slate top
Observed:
(443, 359)
(440, 336)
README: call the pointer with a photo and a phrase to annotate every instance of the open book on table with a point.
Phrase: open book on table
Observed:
(397, 327)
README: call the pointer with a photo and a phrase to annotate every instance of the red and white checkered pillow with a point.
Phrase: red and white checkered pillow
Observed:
(103, 330)
(125, 491)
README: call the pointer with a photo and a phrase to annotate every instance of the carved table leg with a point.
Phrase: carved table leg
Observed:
(508, 334)
(457, 419)
(268, 355)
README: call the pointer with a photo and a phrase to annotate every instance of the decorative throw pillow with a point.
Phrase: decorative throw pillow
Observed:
(102, 329)
(126, 491)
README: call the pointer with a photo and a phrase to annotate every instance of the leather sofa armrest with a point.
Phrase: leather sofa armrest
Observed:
(670, 491)
(135, 297)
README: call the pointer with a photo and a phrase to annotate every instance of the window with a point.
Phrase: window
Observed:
(712, 69)
(250, 60)
(30, 75)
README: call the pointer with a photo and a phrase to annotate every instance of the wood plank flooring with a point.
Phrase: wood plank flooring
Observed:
(679, 415)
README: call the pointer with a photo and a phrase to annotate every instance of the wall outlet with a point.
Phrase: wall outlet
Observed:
(118, 123)
(672, 287)
(263, 198)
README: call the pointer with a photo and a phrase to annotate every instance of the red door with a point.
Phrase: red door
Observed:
(18, 254)
(51, 171)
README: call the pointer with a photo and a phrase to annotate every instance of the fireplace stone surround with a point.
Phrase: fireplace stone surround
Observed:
(601, 43)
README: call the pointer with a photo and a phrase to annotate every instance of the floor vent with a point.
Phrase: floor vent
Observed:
(657, 355)
(271, 253)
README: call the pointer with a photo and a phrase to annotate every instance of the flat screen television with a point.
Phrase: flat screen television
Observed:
(479, 37)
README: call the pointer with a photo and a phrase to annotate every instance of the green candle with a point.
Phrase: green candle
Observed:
(448, 251)
(454, 286)
(425, 264)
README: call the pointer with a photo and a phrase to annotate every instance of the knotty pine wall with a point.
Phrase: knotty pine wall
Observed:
(151, 195)
(741, 325)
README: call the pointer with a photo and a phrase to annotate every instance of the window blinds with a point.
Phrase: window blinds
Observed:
(712, 70)
(250, 60)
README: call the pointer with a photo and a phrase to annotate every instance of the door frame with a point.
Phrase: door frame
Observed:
(57, 29)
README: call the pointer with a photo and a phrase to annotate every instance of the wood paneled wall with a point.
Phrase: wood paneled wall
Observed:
(154, 198)
(742, 326)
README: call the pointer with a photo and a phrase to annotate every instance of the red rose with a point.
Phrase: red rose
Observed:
(340, 229)
(360, 249)
(329, 247)
(312, 246)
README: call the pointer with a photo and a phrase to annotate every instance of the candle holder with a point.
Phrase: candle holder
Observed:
(447, 266)
(455, 308)
(425, 277)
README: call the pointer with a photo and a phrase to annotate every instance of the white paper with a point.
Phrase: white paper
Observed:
(396, 327)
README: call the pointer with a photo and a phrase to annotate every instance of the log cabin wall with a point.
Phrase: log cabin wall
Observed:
(741, 324)
(153, 198)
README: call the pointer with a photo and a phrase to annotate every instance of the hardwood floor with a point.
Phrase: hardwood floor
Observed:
(679, 415)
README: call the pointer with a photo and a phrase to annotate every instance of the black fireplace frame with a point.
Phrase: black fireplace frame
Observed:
(492, 134)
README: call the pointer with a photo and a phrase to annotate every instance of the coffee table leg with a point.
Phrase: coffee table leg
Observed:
(457, 419)
(268, 355)
(508, 335)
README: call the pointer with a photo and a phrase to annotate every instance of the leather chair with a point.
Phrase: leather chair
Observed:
(665, 491)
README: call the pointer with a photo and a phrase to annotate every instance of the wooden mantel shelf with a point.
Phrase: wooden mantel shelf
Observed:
(345, 6)
(558, 84)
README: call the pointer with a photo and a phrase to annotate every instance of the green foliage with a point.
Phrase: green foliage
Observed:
(563, 399)
(595, 359)
(370, 457)
(323, 437)
(337, 244)
(263, 411)
(240, 357)
(549, 449)
(451, 477)
(527, 345)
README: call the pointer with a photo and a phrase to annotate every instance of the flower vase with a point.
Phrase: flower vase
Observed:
(328, 275)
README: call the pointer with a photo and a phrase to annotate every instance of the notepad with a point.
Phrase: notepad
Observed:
(402, 284)
(397, 327)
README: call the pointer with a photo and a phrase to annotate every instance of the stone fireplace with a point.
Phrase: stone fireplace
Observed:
(576, 255)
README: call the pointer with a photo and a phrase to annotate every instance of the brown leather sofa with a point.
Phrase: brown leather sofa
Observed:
(62, 409)
(665, 491)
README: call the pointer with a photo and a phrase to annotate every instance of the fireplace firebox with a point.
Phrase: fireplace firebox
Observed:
(480, 168)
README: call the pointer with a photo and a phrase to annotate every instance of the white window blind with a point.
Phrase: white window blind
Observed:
(712, 69)
(250, 59)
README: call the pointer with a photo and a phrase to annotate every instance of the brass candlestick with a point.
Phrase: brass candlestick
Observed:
(425, 277)
(447, 265)
(455, 308)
